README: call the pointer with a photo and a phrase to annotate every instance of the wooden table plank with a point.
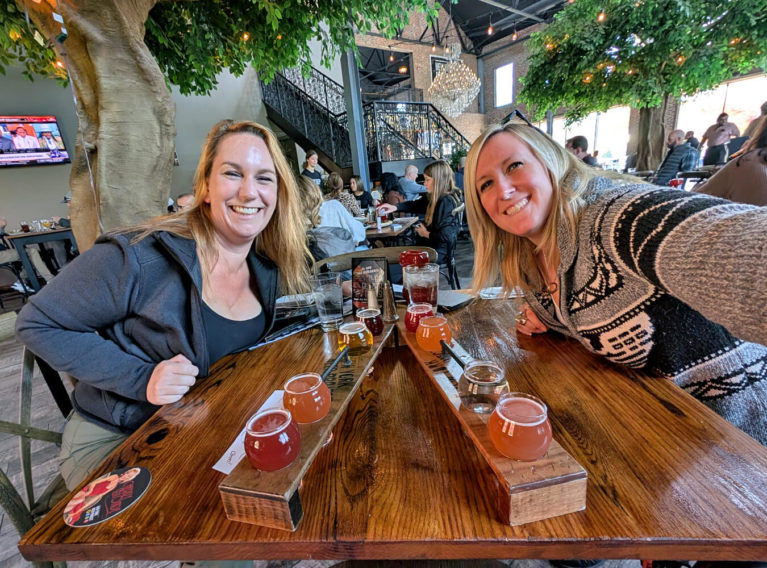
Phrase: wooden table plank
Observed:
(404, 223)
(667, 478)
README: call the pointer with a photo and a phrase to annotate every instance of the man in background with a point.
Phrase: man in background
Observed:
(689, 137)
(579, 146)
(717, 135)
(681, 157)
(410, 188)
(459, 173)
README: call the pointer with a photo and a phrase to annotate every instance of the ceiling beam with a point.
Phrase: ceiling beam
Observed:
(510, 9)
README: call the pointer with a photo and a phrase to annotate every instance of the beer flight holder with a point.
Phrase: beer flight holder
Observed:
(272, 499)
(552, 485)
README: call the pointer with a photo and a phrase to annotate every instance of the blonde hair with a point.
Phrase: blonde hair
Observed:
(444, 184)
(499, 252)
(311, 201)
(283, 239)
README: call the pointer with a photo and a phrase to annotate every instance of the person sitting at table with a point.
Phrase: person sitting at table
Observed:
(364, 198)
(9, 254)
(744, 179)
(441, 229)
(648, 277)
(391, 190)
(681, 157)
(146, 311)
(335, 190)
(689, 138)
(411, 188)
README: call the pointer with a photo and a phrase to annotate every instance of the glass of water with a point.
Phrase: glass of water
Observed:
(326, 289)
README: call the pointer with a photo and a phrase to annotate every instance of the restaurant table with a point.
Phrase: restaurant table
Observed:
(402, 224)
(667, 477)
(21, 240)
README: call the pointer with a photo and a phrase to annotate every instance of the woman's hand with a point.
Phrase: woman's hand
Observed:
(421, 229)
(528, 323)
(387, 208)
(170, 380)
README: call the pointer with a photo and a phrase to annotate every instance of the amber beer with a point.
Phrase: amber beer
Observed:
(432, 330)
(307, 397)
(356, 335)
(519, 427)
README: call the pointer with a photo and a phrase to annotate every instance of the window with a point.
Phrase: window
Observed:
(504, 85)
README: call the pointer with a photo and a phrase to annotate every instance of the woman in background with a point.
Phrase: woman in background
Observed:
(335, 190)
(441, 227)
(142, 314)
(648, 277)
(309, 168)
(363, 197)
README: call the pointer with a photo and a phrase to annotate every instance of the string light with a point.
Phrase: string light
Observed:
(630, 72)
(14, 35)
(514, 36)
(433, 48)
(279, 36)
(391, 56)
(587, 77)
(601, 16)
(734, 41)
(680, 59)
(59, 64)
(403, 69)
(245, 36)
(490, 29)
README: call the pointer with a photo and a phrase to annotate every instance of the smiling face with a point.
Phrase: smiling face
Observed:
(241, 189)
(428, 183)
(353, 185)
(513, 186)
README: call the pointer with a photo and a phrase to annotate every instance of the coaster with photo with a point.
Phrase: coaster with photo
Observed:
(107, 496)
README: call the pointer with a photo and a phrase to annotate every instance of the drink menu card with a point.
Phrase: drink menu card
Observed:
(107, 496)
(366, 272)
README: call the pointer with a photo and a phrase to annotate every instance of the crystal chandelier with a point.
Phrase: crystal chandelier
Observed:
(455, 86)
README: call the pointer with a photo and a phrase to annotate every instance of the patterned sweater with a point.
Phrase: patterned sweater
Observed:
(675, 283)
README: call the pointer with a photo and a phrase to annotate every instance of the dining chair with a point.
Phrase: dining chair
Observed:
(342, 262)
(24, 513)
(13, 290)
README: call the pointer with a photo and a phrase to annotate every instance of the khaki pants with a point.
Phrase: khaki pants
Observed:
(84, 445)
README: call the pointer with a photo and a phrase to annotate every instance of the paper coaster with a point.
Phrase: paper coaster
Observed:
(107, 496)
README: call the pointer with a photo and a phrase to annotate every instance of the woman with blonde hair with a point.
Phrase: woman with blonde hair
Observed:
(630, 270)
(335, 190)
(441, 223)
(147, 310)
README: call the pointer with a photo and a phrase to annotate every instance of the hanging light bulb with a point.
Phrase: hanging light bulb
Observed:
(490, 29)
(433, 48)
(601, 16)
(245, 36)
(391, 56)
(514, 36)
(403, 69)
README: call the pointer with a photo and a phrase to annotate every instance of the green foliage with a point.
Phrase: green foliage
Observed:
(194, 41)
(642, 50)
(455, 158)
(19, 47)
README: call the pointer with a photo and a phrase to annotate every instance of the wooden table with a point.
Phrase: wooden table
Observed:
(403, 224)
(667, 478)
(21, 240)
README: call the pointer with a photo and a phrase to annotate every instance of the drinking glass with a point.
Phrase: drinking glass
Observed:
(432, 330)
(272, 439)
(422, 283)
(414, 314)
(519, 426)
(47, 224)
(356, 335)
(481, 385)
(24, 226)
(411, 258)
(326, 289)
(307, 397)
(371, 317)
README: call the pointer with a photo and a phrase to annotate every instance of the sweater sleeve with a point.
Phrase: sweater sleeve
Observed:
(63, 321)
(709, 253)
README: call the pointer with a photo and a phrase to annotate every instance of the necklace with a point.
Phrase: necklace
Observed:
(551, 288)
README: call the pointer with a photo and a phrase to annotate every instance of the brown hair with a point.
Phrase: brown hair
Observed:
(311, 201)
(334, 184)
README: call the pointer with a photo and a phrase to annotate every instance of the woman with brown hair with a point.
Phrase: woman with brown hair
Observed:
(335, 190)
(143, 314)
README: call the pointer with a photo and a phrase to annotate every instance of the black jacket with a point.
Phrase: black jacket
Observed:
(444, 226)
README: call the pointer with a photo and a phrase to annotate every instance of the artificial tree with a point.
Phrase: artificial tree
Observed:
(642, 53)
(122, 56)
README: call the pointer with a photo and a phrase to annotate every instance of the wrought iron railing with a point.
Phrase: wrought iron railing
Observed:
(394, 130)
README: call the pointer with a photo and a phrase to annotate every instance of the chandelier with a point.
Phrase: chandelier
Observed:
(455, 86)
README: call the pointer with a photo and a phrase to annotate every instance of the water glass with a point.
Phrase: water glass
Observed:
(422, 283)
(519, 426)
(307, 397)
(272, 439)
(326, 289)
(481, 385)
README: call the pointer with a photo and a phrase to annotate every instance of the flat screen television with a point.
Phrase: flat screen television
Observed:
(31, 141)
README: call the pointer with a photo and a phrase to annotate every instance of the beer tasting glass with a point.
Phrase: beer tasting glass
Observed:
(414, 314)
(481, 385)
(24, 226)
(272, 439)
(422, 283)
(431, 330)
(371, 317)
(326, 289)
(356, 335)
(307, 397)
(519, 426)
(47, 224)
(411, 258)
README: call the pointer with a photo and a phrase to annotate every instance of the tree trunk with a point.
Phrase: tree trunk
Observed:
(652, 136)
(123, 160)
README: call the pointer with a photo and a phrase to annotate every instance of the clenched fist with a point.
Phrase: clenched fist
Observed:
(170, 380)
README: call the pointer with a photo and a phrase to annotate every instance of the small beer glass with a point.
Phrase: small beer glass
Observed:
(481, 385)
(356, 335)
(432, 330)
(307, 397)
(272, 439)
(414, 314)
(371, 317)
(519, 426)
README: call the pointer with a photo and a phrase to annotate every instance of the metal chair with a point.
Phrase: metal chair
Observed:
(24, 513)
(12, 286)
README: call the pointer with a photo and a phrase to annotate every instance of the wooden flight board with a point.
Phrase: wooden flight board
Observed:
(273, 499)
(527, 491)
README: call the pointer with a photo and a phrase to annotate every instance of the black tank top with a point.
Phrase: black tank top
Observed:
(227, 336)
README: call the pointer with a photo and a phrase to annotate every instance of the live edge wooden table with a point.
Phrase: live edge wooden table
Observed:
(667, 478)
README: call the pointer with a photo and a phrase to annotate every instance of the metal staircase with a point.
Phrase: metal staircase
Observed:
(311, 110)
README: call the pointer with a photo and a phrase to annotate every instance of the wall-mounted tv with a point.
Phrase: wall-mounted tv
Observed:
(31, 141)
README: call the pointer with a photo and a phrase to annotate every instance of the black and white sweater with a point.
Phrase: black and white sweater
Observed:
(673, 282)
